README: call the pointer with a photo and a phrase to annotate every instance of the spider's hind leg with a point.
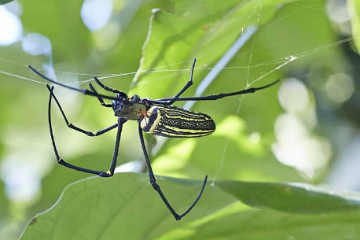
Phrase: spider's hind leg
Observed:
(157, 187)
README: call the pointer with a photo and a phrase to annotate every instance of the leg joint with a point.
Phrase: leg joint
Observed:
(106, 174)
(92, 134)
(155, 185)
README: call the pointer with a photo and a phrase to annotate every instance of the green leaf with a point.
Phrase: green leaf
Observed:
(127, 206)
(2, 2)
(193, 31)
(297, 198)
(270, 225)
(354, 10)
(54, 183)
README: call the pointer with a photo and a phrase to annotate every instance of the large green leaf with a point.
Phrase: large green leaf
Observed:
(126, 206)
(297, 198)
(354, 10)
(270, 225)
(54, 183)
(195, 30)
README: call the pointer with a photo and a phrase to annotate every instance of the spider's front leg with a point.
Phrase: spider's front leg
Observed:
(99, 98)
(157, 187)
(70, 125)
(169, 101)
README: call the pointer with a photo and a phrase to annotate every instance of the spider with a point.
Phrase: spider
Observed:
(157, 117)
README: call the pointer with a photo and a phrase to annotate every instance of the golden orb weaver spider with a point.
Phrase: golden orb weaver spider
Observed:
(157, 117)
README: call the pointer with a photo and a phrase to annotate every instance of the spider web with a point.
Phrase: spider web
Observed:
(276, 63)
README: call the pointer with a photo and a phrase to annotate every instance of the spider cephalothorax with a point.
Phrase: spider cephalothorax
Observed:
(128, 108)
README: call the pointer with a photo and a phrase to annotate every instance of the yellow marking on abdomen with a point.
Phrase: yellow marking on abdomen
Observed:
(188, 130)
(156, 122)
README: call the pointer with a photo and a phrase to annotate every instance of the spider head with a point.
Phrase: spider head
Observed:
(120, 102)
(128, 108)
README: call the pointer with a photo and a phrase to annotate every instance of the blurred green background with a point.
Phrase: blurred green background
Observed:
(304, 129)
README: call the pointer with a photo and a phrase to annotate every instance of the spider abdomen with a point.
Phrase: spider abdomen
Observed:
(175, 122)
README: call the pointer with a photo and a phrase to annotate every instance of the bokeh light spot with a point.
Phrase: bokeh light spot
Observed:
(96, 13)
(36, 44)
(22, 181)
(293, 96)
(337, 11)
(339, 88)
(10, 27)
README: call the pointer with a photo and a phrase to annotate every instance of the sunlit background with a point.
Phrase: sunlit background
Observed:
(306, 129)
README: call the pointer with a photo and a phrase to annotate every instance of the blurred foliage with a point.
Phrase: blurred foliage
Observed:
(5, 1)
(158, 40)
(354, 10)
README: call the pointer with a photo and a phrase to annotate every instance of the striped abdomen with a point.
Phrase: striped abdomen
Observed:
(171, 121)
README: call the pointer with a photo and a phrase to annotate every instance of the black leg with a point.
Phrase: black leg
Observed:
(218, 96)
(99, 98)
(84, 91)
(111, 170)
(157, 187)
(70, 125)
(169, 101)
(106, 87)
